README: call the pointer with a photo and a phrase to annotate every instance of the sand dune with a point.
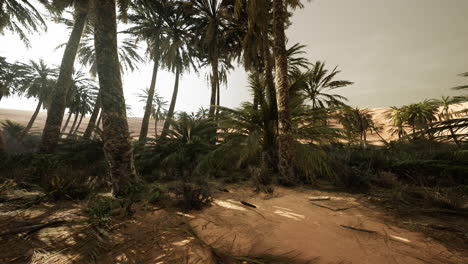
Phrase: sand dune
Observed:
(134, 123)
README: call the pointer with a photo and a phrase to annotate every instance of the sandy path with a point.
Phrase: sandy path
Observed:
(291, 225)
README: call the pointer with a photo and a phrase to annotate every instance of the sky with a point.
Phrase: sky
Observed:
(396, 52)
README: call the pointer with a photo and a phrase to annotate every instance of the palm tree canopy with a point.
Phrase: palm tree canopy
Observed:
(21, 17)
(38, 81)
(320, 82)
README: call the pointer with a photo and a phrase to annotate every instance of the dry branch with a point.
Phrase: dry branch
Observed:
(358, 229)
(319, 198)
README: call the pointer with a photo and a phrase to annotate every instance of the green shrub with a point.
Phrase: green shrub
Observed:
(192, 196)
(101, 210)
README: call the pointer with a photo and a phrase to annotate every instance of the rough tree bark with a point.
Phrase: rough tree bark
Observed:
(285, 138)
(214, 85)
(117, 146)
(51, 133)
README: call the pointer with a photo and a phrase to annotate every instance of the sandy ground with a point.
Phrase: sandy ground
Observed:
(286, 224)
(290, 224)
(134, 123)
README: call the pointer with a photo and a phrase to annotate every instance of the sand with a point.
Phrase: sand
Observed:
(286, 224)
(134, 123)
(290, 224)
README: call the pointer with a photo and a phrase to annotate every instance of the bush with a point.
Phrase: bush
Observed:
(192, 196)
(68, 183)
(101, 210)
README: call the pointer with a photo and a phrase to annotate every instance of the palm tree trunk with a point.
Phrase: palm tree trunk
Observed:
(156, 127)
(51, 133)
(156, 119)
(117, 146)
(214, 85)
(73, 125)
(218, 98)
(170, 112)
(31, 121)
(271, 93)
(79, 124)
(149, 103)
(66, 122)
(285, 138)
(94, 116)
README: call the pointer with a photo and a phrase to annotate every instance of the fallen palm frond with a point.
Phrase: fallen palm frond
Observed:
(31, 228)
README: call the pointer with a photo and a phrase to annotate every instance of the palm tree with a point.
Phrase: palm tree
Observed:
(148, 27)
(178, 53)
(397, 116)
(320, 83)
(212, 38)
(128, 58)
(117, 146)
(285, 138)
(419, 116)
(17, 16)
(158, 107)
(51, 132)
(38, 83)
(356, 121)
(160, 112)
(446, 114)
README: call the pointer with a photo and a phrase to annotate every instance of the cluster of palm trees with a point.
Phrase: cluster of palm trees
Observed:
(180, 36)
(293, 99)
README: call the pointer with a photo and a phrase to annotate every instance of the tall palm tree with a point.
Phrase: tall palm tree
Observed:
(285, 138)
(84, 107)
(38, 83)
(320, 82)
(158, 106)
(177, 50)
(148, 26)
(212, 37)
(117, 146)
(18, 16)
(51, 132)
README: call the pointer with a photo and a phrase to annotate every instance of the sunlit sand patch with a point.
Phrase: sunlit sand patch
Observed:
(229, 204)
(294, 216)
(282, 208)
(183, 242)
(400, 238)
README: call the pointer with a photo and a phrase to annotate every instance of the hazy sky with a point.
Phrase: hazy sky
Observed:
(396, 52)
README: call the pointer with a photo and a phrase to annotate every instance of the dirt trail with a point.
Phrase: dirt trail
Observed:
(291, 225)
(287, 224)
